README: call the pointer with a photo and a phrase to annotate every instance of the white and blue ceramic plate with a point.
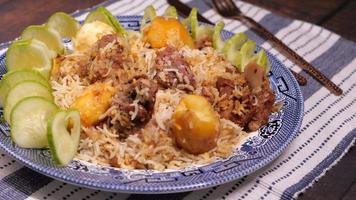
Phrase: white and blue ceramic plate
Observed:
(255, 152)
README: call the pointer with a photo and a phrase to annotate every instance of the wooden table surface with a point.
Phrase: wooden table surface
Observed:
(336, 15)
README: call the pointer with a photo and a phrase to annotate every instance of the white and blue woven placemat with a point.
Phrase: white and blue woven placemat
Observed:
(327, 132)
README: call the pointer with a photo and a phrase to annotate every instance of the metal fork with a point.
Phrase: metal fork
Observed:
(228, 9)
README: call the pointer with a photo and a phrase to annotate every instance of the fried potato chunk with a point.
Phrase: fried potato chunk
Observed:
(167, 31)
(89, 33)
(94, 101)
(195, 124)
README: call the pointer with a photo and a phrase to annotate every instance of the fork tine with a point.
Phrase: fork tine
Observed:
(226, 8)
(225, 5)
(220, 7)
(231, 5)
(217, 5)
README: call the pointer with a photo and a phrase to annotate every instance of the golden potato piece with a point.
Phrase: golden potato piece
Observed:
(195, 125)
(90, 33)
(167, 31)
(96, 99)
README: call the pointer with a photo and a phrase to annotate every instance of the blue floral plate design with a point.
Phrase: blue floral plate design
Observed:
(255, 152)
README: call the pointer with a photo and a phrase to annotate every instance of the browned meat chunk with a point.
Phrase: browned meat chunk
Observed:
(129, 107)
(208, 94)
(172, 70)
(105, 40)
(225, 86)
(145, 91)
(106, 56)
(265, 101)
(134, 105)
(243, 105)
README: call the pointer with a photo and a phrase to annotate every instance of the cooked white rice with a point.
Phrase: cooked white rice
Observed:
(153, 148)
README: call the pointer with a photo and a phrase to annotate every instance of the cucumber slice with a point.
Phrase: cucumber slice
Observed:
(31, 54)
(103, 15)
(89, 34)
(198, 32)
(204, 32)
(64, 24)
(218, 43)
(171, 11)
(246, 54)
(29, 122)
(148, 15)
(97, 15)
(114, 22)
(63, 135)
(22, 90)
(262, 60)
(14, 77)
(233, 46)
(194, 22)
(47, 35)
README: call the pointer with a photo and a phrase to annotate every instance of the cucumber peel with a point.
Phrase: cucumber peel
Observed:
(63, 136)
(22, 90)
(199, 32)
(46, 35)
(193, 21)
(171, 11)
(233, 45)
(30, 54)
(262, 60)
(64, 24)
(148, 15)
(218, 43)
(103, 15)
(246, 54)
(12, 78)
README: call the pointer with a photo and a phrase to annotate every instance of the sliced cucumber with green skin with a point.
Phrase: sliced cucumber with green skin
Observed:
(97, 15)
(47, 35)
(149, 14)
(262, 60)
(29, 122)
(246, 55)
(199, 32)
(218, 43)
(204, 32)
(103, 15)
(193, 17)
(63, 135)
(171, 11)
(233, 46)
(64, 24)
(114, 21)
(30, 54)
(14, 77)
(22, 90)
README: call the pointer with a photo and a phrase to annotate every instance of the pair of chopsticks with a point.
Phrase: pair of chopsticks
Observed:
(185, 10)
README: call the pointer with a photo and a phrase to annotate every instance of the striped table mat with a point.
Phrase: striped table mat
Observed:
(327, 132)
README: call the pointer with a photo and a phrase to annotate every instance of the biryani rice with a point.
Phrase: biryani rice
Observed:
(154, 147)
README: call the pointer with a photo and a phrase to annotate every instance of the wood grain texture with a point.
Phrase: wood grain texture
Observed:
(307, 10)
(351, 194)
(338, 183)
(18, 14)
(344, 21)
